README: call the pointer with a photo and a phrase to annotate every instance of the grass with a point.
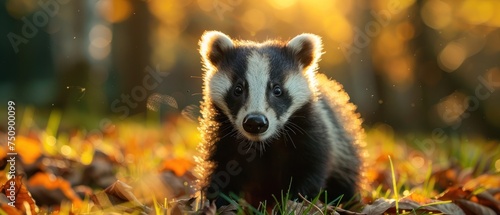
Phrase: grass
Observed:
(283, 205)
(394, 187)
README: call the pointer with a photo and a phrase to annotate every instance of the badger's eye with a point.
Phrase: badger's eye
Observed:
(238, 90)
(277, 90)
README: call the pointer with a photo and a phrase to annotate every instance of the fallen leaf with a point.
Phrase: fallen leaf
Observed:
(177, 165)
(209, 209)
(183, 206)
(163, 185)
(9, 210)
(119, 197)
(16, 192)
(474, 208)
(388, 206)
(483, 181)
(49, 186)
(3, 156)
(379, 206)
(485, 198)
(31, 149)
(230, 209)
(455, 192)
(100, 172)
(6, 208)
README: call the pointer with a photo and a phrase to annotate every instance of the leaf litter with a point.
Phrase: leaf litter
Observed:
(152, 172)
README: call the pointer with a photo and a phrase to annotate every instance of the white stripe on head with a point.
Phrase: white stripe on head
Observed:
(257, 76)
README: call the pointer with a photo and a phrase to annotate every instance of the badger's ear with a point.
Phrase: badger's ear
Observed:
(306, 48)
(213, 45)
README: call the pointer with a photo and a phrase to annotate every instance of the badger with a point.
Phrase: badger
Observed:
(271, 125)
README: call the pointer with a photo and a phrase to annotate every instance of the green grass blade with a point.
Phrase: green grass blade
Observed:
(393, 175)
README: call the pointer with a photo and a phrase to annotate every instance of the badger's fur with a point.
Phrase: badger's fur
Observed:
(270, 122)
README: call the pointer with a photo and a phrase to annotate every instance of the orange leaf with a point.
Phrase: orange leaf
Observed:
(483, 181)
(9, 209)
(418, 198)
(177, 165)
(52, 182)
(18, 195)
(454, 193)
(29, 149)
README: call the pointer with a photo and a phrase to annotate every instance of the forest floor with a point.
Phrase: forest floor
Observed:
(131, 167)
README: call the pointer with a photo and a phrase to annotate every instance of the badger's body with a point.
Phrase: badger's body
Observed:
(271, 124)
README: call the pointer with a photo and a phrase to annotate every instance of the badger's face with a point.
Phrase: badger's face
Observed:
(258, 86)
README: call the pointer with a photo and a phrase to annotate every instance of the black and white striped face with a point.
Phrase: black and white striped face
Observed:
(258, 86)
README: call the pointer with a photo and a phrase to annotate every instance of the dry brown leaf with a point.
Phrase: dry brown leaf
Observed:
(483, 181)
(120, 197)
(9, 210)
(163, 185)
(379, 206)
(6, 208)
(52, 183)
(340, 211)
(183, 206)
(486, 198)
(21, 194)
(474, 208)
(455, 192)
(446, 177)
(388, 206)
(100, 172)
(230, 209)
(209, 209)
(430, 206)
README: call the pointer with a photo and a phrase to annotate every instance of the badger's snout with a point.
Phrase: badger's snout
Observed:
(255, 123)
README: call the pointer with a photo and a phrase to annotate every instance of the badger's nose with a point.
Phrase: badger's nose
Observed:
(255, 123)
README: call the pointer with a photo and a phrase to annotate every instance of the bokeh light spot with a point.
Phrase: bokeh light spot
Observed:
(451, 108)
(100, 37)
(436, 14)
(417, 161)
(452, 56)
(169, 12)
(338, 28)
(66, 150)
(20, 8)
(253, 20)
(477, 12)
(115, 10)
